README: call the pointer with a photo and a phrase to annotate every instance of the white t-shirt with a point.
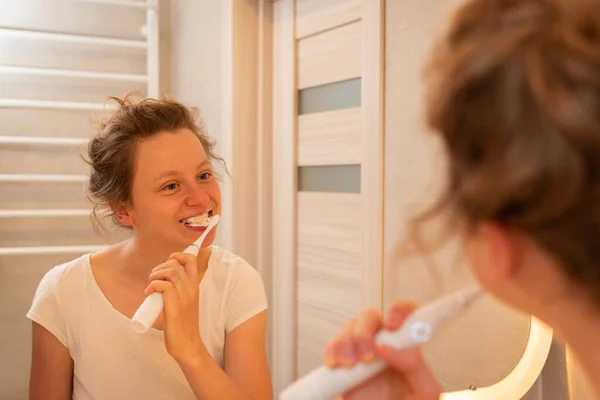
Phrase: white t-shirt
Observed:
(111, 361)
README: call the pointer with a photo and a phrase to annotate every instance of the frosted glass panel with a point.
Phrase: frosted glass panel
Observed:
(333, 96)
(330, 178)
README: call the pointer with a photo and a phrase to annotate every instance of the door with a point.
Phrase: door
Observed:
(327, 143)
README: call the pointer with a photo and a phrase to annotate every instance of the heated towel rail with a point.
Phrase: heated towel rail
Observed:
(150, 45)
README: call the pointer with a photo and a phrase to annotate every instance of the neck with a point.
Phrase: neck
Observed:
(579, 326)
(139, 259)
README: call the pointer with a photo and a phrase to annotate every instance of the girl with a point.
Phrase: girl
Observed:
(151, 166)
(515, 98)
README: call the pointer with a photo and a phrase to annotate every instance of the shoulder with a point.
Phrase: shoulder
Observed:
(63, 276)
(57, 295)
(242, 287)
(230, 267)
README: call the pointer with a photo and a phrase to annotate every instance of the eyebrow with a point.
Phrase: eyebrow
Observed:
(172, 172)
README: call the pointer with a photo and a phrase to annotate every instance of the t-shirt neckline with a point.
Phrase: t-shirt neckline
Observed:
(98, 291)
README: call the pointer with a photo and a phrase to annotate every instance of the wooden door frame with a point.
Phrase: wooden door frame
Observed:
(285, 179)
(373, 161)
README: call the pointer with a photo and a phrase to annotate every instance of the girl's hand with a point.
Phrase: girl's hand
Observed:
(407, 376)
(177, 279)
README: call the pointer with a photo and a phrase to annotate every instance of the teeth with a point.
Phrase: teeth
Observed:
(199, 220)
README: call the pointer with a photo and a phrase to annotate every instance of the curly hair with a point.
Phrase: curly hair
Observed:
(110, 153)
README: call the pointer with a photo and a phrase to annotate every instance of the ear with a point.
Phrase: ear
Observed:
(502, 247)
(123, 214)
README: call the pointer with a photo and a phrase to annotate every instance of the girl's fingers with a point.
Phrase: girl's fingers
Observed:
(167, 271)
(363, 334)
(176, 274)
(409, 363)
(356, 341)
(166, 264)
(397, 313)
(341, 351)
(170, 296)
(177, 277)
(189, 264)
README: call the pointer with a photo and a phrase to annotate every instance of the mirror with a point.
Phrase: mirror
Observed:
(480, 356)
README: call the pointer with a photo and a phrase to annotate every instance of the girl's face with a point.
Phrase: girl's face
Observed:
(173, 181)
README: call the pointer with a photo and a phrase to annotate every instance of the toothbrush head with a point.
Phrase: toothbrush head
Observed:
(195, 247)
(213, 221)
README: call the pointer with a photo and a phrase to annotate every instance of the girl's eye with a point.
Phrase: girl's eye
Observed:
(170, 186)
(205, 176)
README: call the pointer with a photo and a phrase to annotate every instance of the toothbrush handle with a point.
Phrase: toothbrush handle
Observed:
(153, 305)
(192, 249)
(145, 316)
(326, 383)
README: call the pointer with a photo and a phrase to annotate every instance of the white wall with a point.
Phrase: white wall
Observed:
(196, 63)
(197, 71)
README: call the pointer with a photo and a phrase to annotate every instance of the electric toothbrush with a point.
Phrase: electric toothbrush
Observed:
(152, 306)
(325, 383)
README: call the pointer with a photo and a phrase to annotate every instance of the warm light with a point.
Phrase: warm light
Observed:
(518, 382)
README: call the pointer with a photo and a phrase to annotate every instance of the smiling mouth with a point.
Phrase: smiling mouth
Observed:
(198, 220)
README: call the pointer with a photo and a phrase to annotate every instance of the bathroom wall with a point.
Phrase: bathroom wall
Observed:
(197, 58)
(201, 46)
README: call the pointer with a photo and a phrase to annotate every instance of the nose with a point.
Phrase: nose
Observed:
(196, 195)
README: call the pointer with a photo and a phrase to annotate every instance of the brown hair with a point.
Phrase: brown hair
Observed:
(110, 152)
(514, 95)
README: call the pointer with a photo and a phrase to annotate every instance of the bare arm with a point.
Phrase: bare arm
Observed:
(246, 375)
(246, 358)
(51, 375)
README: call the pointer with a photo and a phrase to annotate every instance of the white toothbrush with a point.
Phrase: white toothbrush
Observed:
(150, 309)
(325, 383)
